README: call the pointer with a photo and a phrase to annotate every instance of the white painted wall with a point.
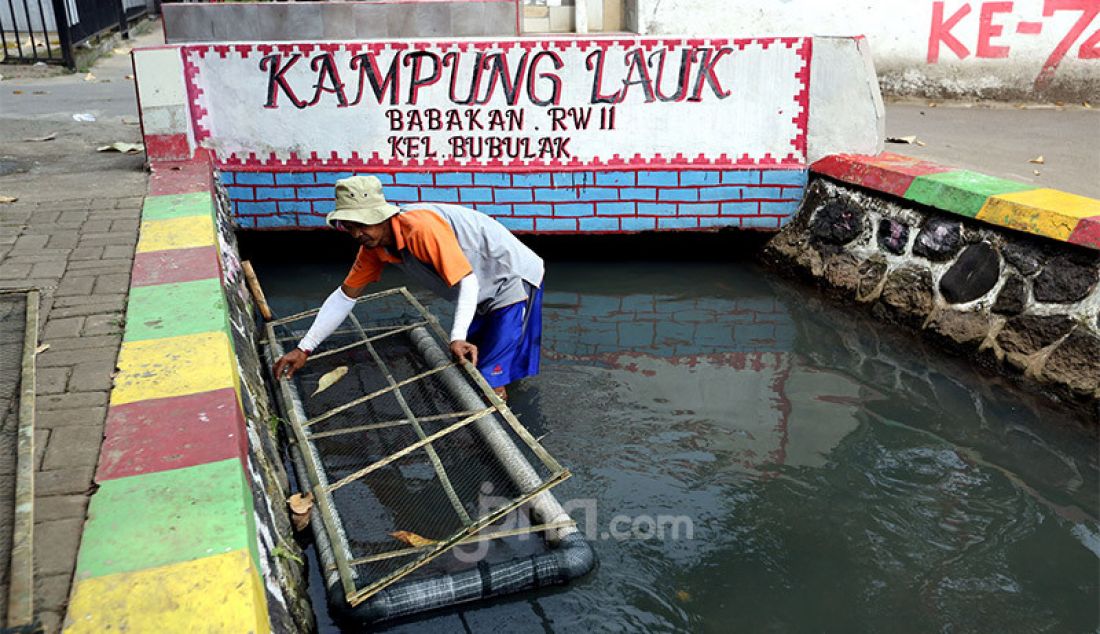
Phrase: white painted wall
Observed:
(973, 48)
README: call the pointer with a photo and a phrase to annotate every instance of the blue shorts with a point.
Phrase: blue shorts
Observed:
(508, 340)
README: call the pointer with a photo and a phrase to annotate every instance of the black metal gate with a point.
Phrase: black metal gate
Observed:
(47, 30)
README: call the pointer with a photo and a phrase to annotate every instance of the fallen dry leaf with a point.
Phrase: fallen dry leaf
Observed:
(8, 199)
(17, 92)
(412, 539)
(128, 77)
(300, 502)
(683, 596)
(129, 121)
(300, 505)
(932, 104)
(89, 77)
(122, 51)
(42, 348)
(910, 140)
(120, 146)
(921, 143)
(329, 379)
(1059, 103)
(1038, 160)
(35, 139)
(1087, 105)
(1037, 173)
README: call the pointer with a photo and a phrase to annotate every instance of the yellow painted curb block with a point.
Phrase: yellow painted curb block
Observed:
(174, 366)
(221, 593)
(177, 233)
(1044, 212)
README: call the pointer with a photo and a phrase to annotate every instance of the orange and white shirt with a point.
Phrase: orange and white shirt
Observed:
(440, 244)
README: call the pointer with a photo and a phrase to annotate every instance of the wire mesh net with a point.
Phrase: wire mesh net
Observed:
(411, 451)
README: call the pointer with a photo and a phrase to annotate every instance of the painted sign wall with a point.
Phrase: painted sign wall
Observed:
(558, 135)
(985, 48)
(492, 104)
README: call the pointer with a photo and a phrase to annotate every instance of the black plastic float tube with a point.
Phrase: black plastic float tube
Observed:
(573, 557)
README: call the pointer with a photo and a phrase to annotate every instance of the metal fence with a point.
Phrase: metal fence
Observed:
(49, 30)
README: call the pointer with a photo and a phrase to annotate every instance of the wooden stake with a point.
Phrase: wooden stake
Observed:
(254, 287)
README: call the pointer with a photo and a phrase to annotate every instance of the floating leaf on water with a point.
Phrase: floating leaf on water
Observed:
(412, 539)
(683, 596)
(329, 379)
(1038, 160)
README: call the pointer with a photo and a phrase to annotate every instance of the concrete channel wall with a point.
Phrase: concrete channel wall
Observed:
(550, 135)
(188, 530)
(1003, 272)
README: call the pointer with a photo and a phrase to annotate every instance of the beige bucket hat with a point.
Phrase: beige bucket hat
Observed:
(359, 199)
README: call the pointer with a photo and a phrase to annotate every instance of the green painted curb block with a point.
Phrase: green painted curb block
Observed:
(171, 310)
(961, 191)
(168, 517)
(177, 206)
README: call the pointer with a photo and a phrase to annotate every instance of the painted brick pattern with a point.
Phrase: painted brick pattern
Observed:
(542, 202)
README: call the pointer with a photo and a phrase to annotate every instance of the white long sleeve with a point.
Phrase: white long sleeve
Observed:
(333, 313)
(465, 307)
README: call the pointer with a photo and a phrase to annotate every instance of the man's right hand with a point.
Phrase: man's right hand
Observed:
(290, 363)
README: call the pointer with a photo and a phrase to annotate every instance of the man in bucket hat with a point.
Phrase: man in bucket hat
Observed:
(461, 254)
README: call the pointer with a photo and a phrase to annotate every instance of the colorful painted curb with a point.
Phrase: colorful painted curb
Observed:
(170, 542)
(1036, 210)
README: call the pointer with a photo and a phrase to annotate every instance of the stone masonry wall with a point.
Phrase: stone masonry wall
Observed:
(1025, 306)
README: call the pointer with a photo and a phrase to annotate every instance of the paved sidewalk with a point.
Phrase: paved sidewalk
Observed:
(71, 234)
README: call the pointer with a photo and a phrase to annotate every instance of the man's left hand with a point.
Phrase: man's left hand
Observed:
(462, 349)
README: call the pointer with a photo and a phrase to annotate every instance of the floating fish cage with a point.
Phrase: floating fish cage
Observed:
(428, 491)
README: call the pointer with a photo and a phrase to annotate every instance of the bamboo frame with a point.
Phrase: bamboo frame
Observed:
(443, 546)
(366, 340)
(20, 599)
(437, 464)
(472, 539)
(313, 311)
(363, 399)
(397, 455)
(487, 390)
(303, 434)
(387, 424)
(340, 550)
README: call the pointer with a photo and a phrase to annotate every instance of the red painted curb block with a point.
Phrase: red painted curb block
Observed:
(182, 177)
(172, 433)
(886, 172)
(1087, 233)
(174, 266)
(172, 147)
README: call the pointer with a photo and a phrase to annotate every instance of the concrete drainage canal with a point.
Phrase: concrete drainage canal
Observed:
(746, 454)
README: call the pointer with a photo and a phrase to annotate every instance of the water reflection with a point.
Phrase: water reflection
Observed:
(835, 478)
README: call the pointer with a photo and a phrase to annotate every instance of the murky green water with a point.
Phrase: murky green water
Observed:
(749, 458)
